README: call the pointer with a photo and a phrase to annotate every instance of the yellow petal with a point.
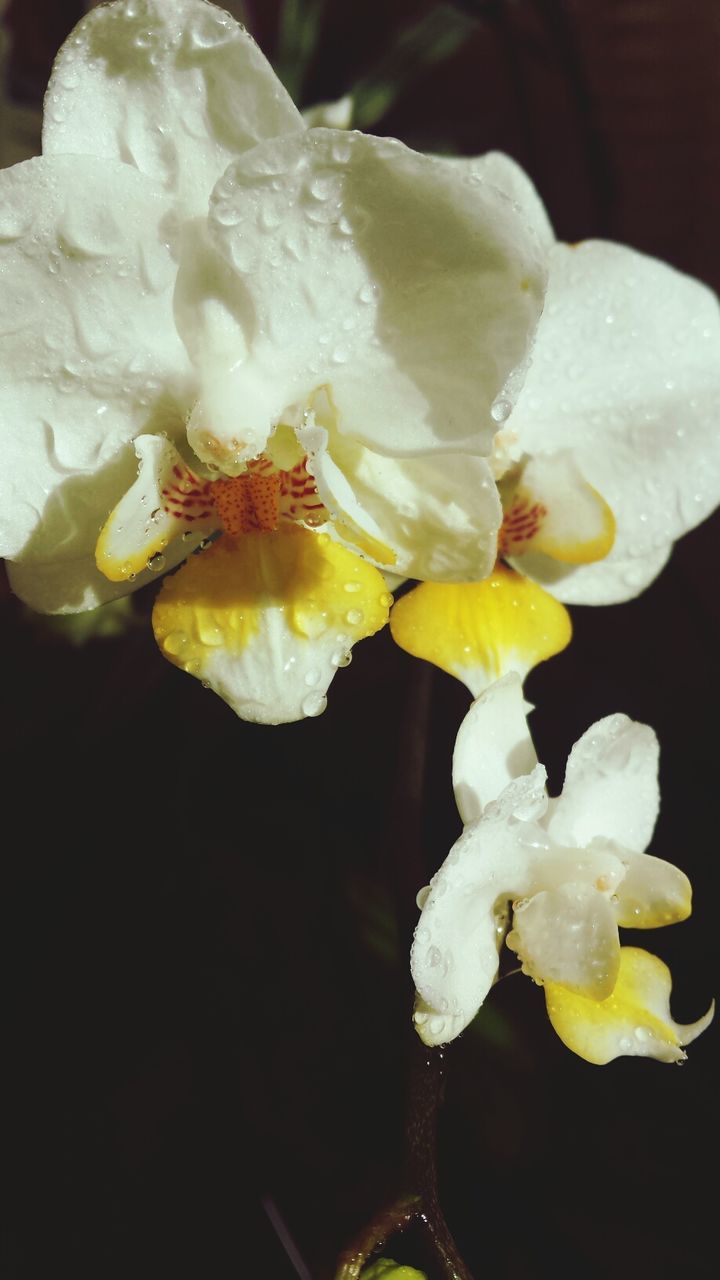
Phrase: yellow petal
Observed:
(553, 509)
(634, 1021)
(478, 631)
(267, 619)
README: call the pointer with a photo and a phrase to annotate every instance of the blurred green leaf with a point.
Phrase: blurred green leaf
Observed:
(299, 31)
(105, 623)
(436, 37)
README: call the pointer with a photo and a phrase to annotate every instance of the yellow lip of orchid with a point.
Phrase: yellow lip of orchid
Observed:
(569, 871)
(479, 631)
(634, 1020)
(267, 619)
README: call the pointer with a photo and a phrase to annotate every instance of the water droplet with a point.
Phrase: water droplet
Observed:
(353, 586)
(15, 222)
(323, 185)
(210, 30)
(385, 600)
(226, 213)
(157, 562)
(341, 151)
(354, 617)
(312, 678)
(314, 704)
(269, 218)
(501, 410)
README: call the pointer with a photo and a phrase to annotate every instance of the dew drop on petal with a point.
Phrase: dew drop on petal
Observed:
(314, 704)
(501, 410)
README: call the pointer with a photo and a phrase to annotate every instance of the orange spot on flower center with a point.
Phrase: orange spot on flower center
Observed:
(521, 522)
(249, 503)
(255, 502)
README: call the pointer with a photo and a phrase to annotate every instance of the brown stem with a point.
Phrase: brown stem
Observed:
(426, 1081)
(389, 1220)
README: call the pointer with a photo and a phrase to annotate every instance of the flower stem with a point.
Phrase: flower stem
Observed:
(426, 1083)
(419, 1204)
(386, 1222)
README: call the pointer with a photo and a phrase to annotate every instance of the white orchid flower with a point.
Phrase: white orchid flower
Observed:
(297, 334)
(564, 874)
(610, 453)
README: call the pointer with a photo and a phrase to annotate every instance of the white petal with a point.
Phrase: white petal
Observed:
(611, 786)
(439, 516)
(176, 89)
(74, 585)
(89, 353)
(608, 581)
(454, 955)
(493, 746)
(568, 935)
(626, 372)
(506, 174)
(330, 115)
(407, 286)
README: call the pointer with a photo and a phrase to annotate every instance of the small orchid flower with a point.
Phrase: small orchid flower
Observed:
(222, 326)
(610, 453)
(555, 878)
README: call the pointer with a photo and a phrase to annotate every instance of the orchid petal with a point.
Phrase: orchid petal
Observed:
(479, 631)
(267, 620)
(89, 355)
(408, 287)
(625, 372)
(633, 1021)
(508, 176)
(178, 90)
(611, 786)
(72, 585)
(607, 581)
(492, 748)
(554, 511)
(652, 892)
(568, 935)
(437, 516)
(167, 501)
(330, 115)
(454, 957)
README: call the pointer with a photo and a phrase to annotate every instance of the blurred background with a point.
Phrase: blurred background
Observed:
(206, 984)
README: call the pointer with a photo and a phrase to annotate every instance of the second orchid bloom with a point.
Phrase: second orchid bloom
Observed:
(553, 879)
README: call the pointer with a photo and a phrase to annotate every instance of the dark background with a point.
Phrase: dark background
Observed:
(206, 987)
